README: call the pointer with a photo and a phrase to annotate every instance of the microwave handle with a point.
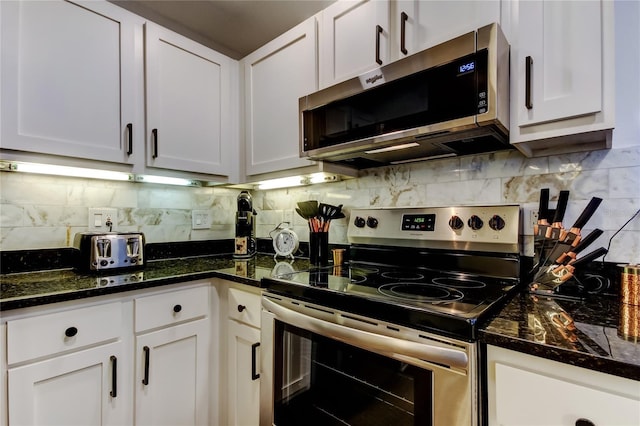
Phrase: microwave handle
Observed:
(370, 341)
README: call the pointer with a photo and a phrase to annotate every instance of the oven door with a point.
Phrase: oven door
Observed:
(325, 367)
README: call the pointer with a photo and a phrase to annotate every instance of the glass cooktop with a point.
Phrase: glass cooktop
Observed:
(414, 296)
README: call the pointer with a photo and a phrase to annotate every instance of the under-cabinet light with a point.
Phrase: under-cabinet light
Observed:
(55, 170)
(164, 180)
(392, 148)
(292, 181)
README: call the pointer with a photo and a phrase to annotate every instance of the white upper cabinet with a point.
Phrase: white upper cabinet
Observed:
(275, 77)
(354, 39)
(562, 70)
(191, 121)
(69, 79)
(419, 25)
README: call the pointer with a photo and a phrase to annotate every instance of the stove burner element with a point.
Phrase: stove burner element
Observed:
(357, 278)
(458, 283)
(403, 275)
(420, 292)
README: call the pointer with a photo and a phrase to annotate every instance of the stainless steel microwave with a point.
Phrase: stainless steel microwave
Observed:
(451, 99)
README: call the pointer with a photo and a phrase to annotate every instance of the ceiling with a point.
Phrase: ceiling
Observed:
(232, 27)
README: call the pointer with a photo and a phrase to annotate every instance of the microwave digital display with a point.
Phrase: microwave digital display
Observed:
(470, 66)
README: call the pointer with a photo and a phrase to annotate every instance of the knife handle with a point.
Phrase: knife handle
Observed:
(543, 207)
(561, 207)
(589, 257)
(587, 213)
(570, 255)
(586, 241)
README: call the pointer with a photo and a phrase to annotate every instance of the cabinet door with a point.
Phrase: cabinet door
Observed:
(69, 79)
(561, 44)
(354, 34)
(90, 387)
(243, 374)
(429, 23)
(172, 376)
(527, 390)
(520, 394)
(276, 76)
(190, 116)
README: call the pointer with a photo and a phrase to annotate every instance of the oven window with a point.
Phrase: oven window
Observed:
(319, 381)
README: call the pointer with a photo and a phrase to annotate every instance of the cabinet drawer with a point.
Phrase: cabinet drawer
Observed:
(49, 334)
(244, 307)
(168, 308)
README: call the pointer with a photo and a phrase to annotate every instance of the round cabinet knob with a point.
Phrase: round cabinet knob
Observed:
(71, 331)
(584, 422)
(456, 223)
(372, 222)
(496, 223)
(475, 222)
(359, 222)
(241, 308)
(177, 308)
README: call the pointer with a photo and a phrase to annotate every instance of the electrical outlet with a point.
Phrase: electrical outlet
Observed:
(101, 217)
(201, 219)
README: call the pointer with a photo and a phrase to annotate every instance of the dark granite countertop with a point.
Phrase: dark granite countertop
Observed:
(21, 290)
(585, 333)
(529, 324)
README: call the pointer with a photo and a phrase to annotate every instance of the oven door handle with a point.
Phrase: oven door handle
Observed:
(370, 341)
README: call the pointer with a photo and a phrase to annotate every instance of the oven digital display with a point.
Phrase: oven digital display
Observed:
(418, 222)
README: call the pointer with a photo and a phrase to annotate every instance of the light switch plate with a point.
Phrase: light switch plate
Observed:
(99, 216)
(200, 219)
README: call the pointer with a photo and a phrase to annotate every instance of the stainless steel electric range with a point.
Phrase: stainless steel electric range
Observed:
(408, 304)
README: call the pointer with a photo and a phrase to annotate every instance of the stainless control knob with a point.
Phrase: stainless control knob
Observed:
(359, 222)
(372, 222)
(475, 222)
(456, 223)
(496, 223)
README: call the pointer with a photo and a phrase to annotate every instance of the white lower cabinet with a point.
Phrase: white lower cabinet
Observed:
(243, 357)
(243, 379)
(70, 367)
(171, 375)
(140, 358)
(172, 358)
(82, 388)
(528, 390)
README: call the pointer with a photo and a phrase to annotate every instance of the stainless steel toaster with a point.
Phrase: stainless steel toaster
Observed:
(98, 251)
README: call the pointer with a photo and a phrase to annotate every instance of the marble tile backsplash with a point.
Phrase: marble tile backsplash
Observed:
(45, 212)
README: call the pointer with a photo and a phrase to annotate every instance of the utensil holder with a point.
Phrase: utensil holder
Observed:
(319, 248)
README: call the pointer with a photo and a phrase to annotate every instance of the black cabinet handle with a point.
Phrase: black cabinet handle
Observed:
(254, 367)
(241, 308)
(155, 143)
(177, 308)
(114, 377)
(528, 62)
(403, 27)
(584, 422)
(378, 32)
(145, 379)
(130, 133)
(71, 331)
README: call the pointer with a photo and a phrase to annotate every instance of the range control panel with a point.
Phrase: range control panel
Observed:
(495, 228)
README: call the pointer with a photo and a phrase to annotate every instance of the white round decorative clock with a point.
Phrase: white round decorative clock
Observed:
(285, 242)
